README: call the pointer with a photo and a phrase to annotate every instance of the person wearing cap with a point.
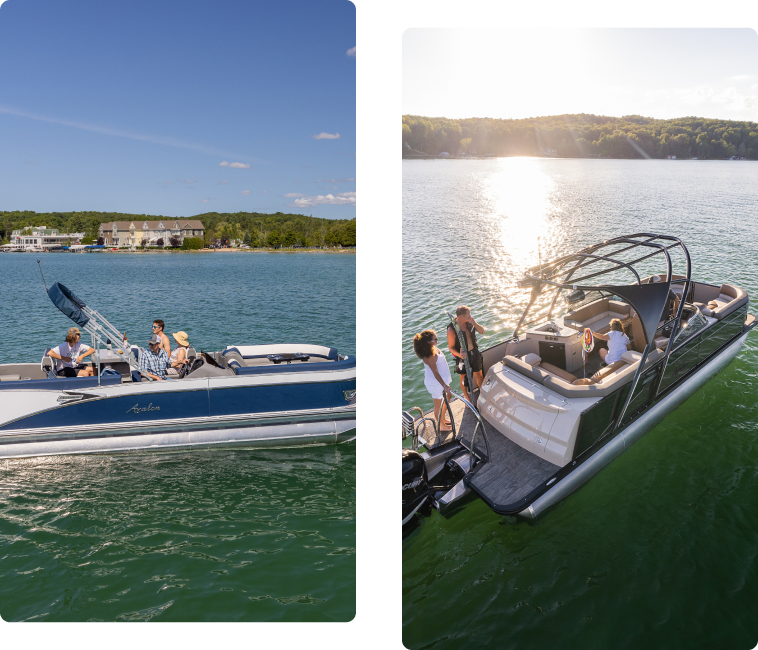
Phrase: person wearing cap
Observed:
(154, 361)
(69, 356)
(179, 356)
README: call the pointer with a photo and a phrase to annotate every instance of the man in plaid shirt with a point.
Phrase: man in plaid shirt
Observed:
(154, 361)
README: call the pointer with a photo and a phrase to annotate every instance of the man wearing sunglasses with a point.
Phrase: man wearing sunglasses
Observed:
(165, 344)
(158, 326)
(69, 356)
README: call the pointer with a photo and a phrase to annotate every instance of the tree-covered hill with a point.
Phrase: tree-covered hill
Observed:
(254, 228)
(583, 135)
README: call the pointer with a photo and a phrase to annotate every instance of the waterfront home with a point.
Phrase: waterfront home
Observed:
(42, 237)
(131, 233)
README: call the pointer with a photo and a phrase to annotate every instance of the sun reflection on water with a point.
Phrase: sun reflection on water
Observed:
(526, 227)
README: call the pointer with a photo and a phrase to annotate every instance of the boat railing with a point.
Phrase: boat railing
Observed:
(479, 424)
(104, 333)
(412, 426)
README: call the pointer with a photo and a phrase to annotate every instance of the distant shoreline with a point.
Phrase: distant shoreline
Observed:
(434, 156)
(240, 250)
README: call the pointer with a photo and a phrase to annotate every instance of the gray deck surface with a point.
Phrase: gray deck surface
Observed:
(512, 472)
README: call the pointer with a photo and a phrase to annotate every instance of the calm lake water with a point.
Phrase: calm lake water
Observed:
(249, 535)
(657, 550)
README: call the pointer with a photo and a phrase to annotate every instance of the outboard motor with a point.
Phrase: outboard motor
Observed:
(415, 484)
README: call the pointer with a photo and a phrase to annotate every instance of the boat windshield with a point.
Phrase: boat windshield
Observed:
(694, 324)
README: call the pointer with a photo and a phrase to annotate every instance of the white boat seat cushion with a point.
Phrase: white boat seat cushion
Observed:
(630, 356)
(532, 359)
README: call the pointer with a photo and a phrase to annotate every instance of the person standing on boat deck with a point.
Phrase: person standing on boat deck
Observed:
(436, 373)
(69, 356)
(469, 327)
(618, 342)
(154, 361)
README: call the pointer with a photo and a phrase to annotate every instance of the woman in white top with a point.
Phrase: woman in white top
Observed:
(179, 356)
(618, 342)
(436, 373)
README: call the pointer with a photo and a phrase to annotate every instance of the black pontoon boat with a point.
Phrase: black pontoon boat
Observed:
(551, 416)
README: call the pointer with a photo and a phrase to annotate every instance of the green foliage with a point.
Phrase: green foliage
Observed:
(274, 239)
(582, 135)
(289, 239)
(309, 231)
(192, 244)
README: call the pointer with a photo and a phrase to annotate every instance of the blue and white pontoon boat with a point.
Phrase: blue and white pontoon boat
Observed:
(243, 396)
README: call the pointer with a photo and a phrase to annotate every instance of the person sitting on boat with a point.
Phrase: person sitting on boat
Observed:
(154, 361)
(158, 326)
(436, 373)
(69, 356)
(179, 356)
(618, 342)
(469, 327)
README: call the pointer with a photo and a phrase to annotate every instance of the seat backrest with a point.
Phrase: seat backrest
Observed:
(191, 354)
(47, 365)
(233, 359)
(638, 334)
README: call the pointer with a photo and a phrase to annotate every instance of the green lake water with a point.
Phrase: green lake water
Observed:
(242, 535)
(658, 549)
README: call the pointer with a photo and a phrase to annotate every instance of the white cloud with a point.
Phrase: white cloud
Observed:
(326, 136)
(234, 165)
(205, 200)
(344, 198)
(223, 182)
(245, 192)
(351, 52)
(264, 192)
(293, 196)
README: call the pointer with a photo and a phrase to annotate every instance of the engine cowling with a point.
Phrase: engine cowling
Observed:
(415, 483)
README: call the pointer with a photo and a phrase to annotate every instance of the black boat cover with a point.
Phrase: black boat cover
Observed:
(648, 300)
(65, 300)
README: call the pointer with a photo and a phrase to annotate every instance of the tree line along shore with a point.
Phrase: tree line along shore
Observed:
(582, 135)
(254, 229)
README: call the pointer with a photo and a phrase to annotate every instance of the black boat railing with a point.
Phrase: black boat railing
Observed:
(479, 424)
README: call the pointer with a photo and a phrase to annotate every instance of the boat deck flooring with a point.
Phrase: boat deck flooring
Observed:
(511, 472)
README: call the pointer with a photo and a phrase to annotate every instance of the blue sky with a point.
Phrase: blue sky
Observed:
(178, 108)
(508, 73)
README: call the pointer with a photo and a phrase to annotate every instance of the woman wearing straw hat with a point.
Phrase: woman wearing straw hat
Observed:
(179, 356)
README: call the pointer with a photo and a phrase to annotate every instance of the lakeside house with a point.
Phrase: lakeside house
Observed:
(43, 237)
(131, 233)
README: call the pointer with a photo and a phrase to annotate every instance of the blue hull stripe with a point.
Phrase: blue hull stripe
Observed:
(154, 407)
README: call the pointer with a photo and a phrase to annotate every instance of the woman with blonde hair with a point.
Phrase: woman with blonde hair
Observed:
(618, 342)
(436, 373)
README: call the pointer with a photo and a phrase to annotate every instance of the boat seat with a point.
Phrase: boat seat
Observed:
(532, 366)
(233, 359)
(597, 315)
(10, 377)
(730, 299)
(47, 365)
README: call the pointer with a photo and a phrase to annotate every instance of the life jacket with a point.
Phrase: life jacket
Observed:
(472, 331)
